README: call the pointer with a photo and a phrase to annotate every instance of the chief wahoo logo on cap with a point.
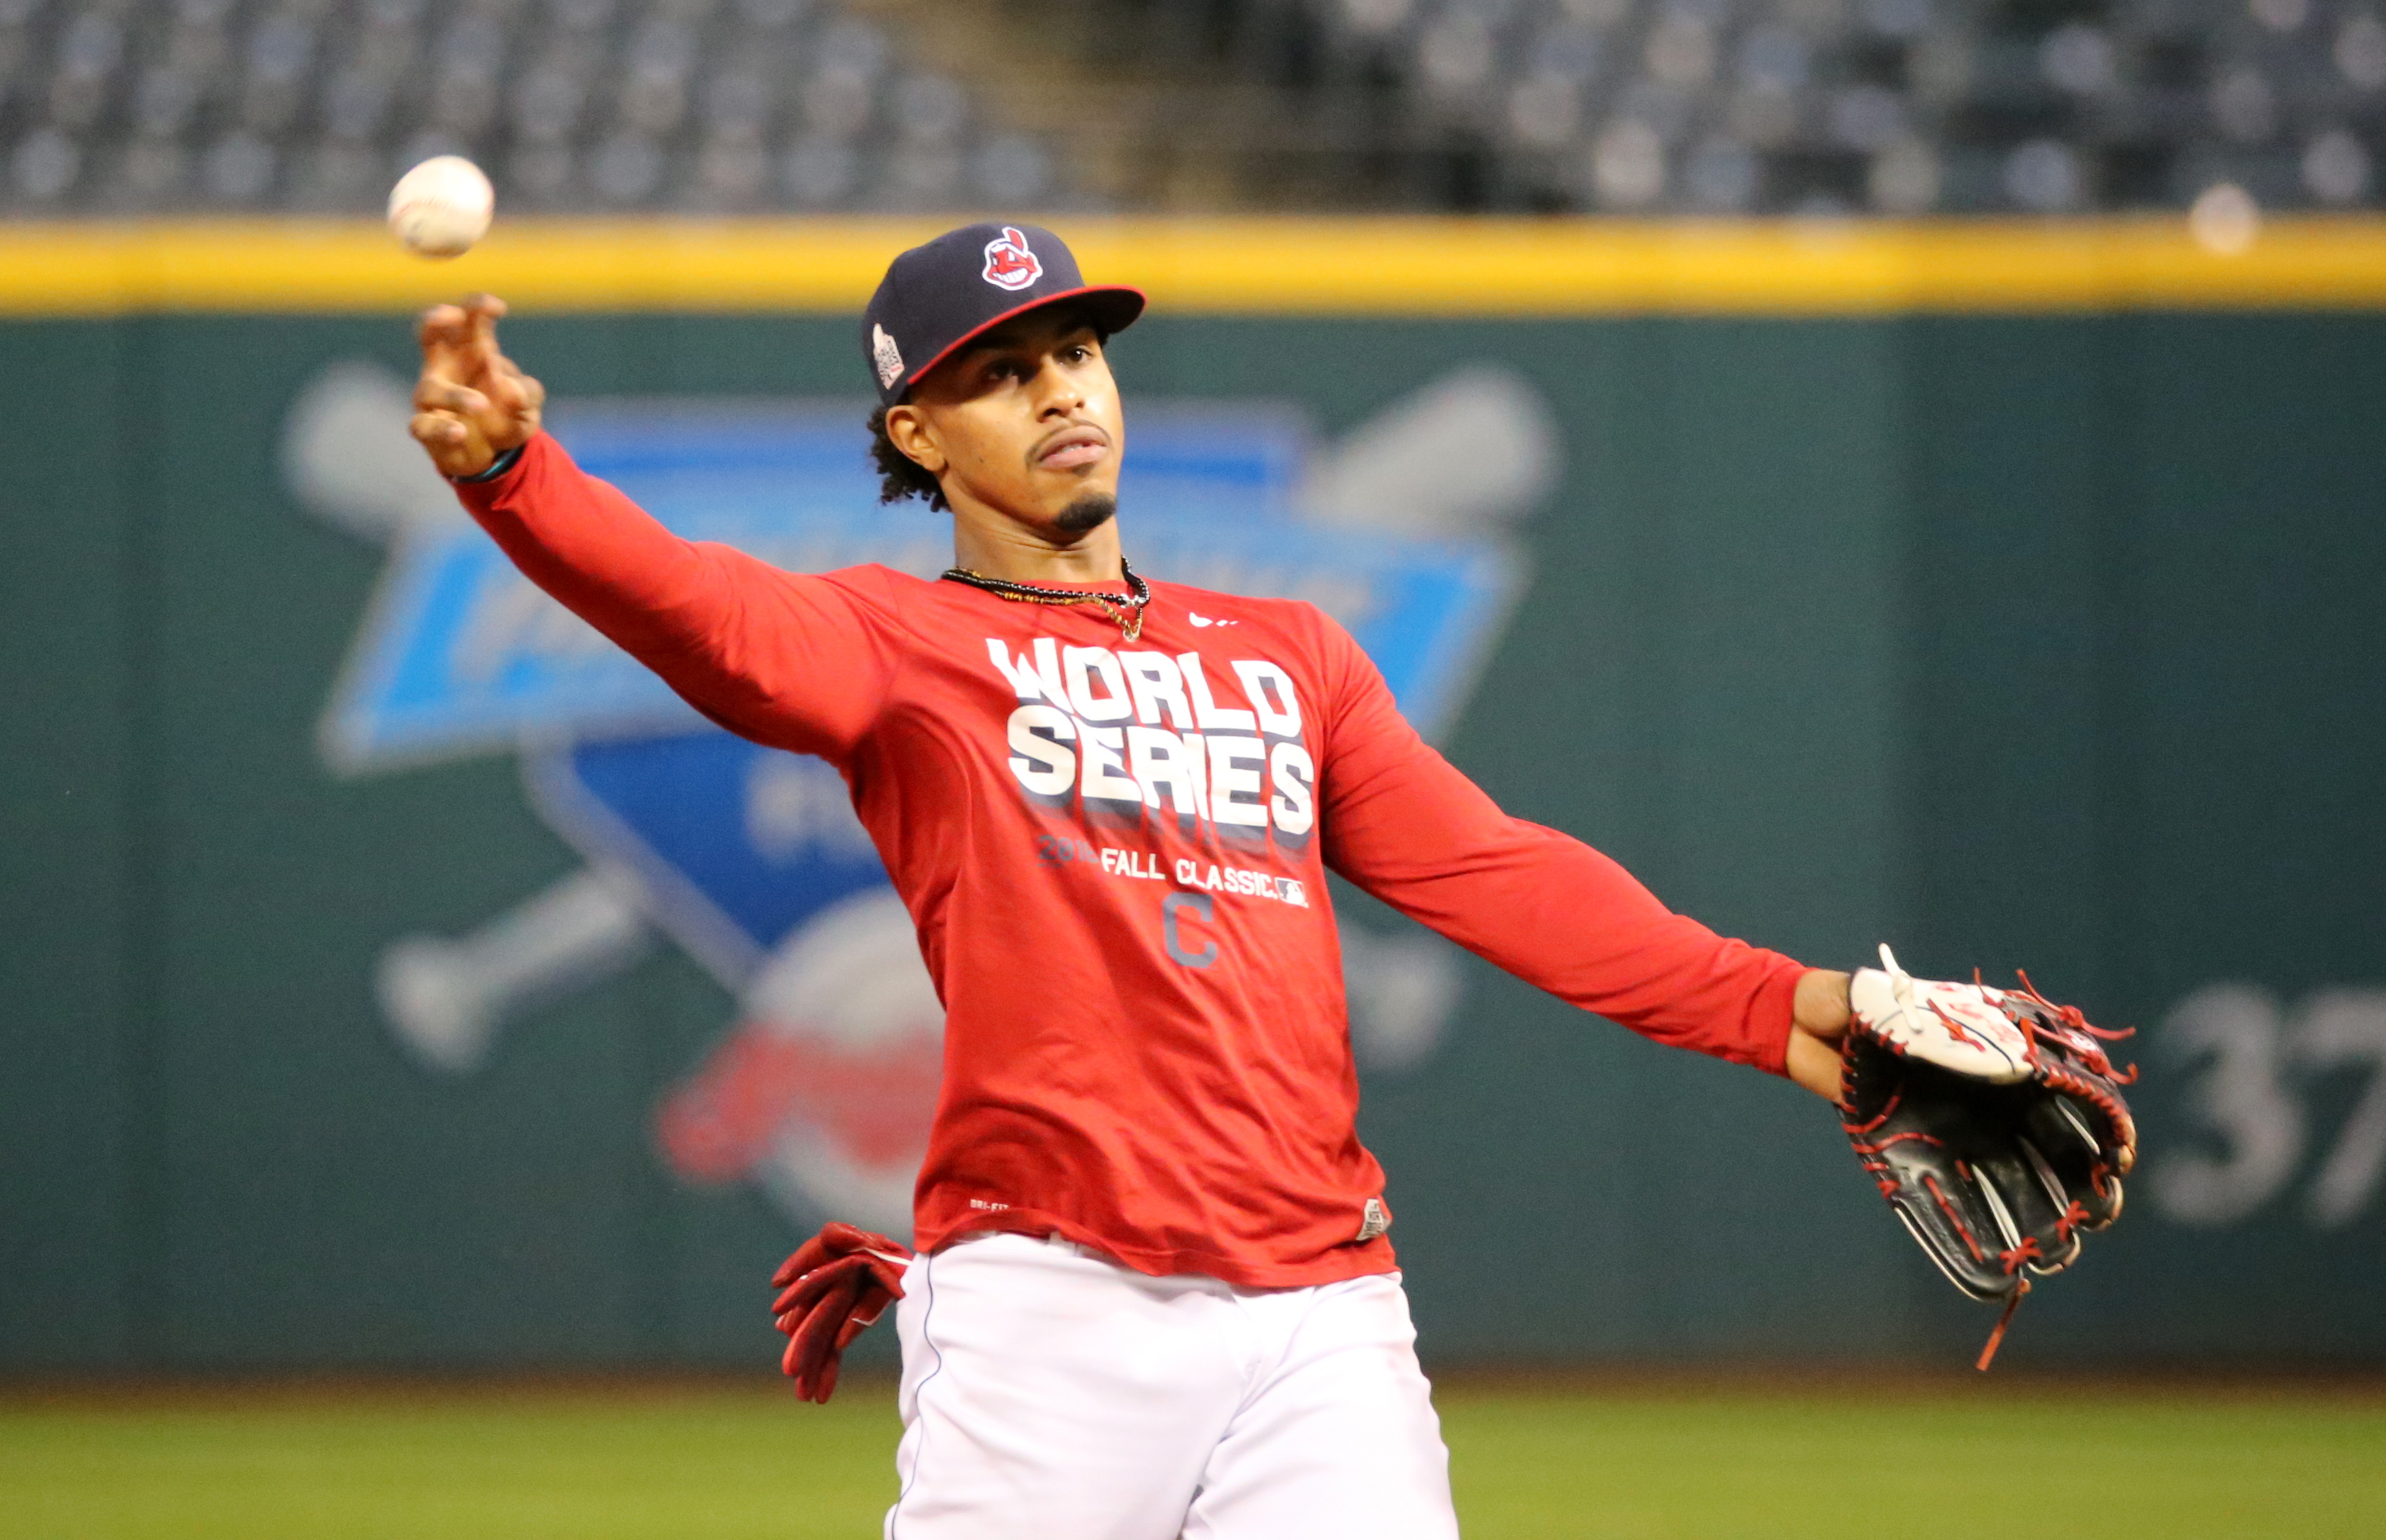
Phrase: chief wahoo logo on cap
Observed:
(1009, 262)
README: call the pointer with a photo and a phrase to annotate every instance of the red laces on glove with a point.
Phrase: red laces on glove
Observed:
(834, 1285)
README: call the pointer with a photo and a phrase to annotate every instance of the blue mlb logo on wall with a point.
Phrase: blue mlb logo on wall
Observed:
(821, 1084)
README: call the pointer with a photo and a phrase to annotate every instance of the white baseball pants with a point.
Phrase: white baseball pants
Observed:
(1049, 1395)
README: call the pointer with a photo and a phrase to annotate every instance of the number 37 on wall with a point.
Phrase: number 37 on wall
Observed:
(2255, 1129)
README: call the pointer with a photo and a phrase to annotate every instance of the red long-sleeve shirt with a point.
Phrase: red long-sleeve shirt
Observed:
(1116, 854)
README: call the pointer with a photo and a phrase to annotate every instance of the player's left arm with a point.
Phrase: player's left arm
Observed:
(1403, 824)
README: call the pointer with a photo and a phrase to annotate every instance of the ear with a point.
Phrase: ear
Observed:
(908, 431)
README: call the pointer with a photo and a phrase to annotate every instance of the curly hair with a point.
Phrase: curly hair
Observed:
(899, 476)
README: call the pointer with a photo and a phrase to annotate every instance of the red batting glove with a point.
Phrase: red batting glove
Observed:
(836, 1285)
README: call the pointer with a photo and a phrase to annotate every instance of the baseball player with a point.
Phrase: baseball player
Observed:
(1154, 1294)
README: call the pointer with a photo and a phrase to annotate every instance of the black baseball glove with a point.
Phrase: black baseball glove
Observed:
(1992, 1121)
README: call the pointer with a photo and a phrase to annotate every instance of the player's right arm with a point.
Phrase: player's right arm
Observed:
(778, 658)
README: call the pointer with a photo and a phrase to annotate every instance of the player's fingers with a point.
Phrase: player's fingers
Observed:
(814, 1329)
(512, 395)
(456, 447)
(439, 430)
(814, 1350)
(443, 331)
(482, 312)
(800, 1295)
(790, 1363)
(837, 1305)
(814, 1284)
(838, 1281)
(533, 394)
(852, 1237)
(440, 322)
(439, 393)
(809, 1255)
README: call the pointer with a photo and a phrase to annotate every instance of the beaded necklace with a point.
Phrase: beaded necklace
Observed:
(1127, 612)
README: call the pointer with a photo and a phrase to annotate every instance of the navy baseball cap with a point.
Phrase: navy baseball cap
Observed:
(936, 298)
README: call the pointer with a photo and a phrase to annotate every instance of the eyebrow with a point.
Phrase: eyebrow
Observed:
(979, 349)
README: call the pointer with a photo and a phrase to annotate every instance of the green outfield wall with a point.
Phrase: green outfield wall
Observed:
(2043, 641)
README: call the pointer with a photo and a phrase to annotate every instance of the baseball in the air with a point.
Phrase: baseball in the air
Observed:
(442, 206)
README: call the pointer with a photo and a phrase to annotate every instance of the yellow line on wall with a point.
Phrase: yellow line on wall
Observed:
(1353, 266)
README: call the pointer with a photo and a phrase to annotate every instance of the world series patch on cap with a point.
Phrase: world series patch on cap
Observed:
(936, 299)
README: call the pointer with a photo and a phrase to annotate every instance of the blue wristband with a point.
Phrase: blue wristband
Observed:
(498, 466)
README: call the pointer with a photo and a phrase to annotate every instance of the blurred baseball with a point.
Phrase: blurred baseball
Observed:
(442, 206)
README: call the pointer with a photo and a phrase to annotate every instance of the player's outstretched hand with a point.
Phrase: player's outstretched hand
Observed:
(472, 403)
(836, 1285)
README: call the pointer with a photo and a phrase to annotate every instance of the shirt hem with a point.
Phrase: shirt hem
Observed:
(1343, 1262)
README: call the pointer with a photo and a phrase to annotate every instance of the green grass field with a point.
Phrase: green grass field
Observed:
(1648, 1458)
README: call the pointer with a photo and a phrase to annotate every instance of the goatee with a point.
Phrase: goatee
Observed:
(1089, 512)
